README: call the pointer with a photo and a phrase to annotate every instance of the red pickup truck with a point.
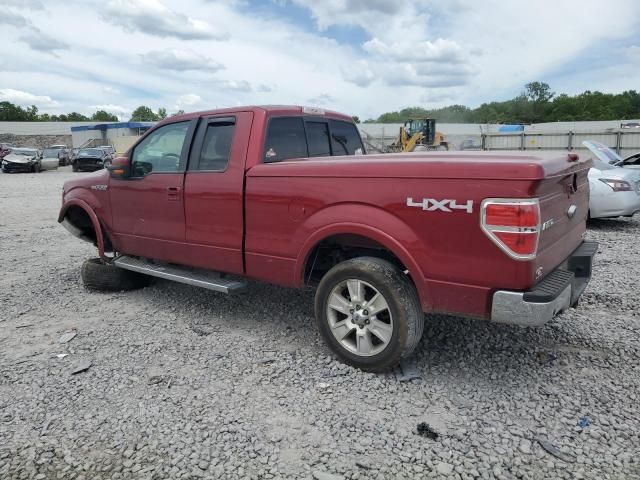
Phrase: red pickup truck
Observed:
(287, 195)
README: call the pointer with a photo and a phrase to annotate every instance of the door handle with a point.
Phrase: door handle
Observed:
(173, 193)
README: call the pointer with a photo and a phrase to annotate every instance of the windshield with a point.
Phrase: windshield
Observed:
(91, 151)
(23, 151)
(603, 152)
(50, 152)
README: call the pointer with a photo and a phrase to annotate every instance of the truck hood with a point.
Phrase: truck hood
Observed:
(87, 181)
(456, 165)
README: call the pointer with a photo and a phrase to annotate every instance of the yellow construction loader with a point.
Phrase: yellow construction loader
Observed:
(419, 135)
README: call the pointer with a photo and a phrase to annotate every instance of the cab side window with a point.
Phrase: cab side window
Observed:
(285, 139)
(345, 138)
(216, 147)
(161, 150)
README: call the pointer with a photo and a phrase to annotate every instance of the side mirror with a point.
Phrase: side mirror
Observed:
(120, 168)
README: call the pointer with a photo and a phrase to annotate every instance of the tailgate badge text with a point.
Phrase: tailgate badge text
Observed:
(433, 205)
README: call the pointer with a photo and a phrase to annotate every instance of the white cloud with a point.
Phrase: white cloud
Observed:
(15, 20)
(180, 60)
(411, 53)
(154, 18)
(42, 42)
(22, 98)
(187, 100)
(236, 85)
(441, 50)
(359, 73)
(322, 100)
(27, 4)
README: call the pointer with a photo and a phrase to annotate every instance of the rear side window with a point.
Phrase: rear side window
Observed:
(216, 146)
(318, 137)
(345, 139)
(285, 139)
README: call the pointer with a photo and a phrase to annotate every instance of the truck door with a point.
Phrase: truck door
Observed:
(148, 206)
(214, 192)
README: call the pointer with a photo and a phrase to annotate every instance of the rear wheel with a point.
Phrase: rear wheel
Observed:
(36, 168)
(99, 275)
(74, 167)
(369, 314)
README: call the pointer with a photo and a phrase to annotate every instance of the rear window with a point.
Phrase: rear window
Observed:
(285, 139)
(302, 137)
(318, 136)
(345, 139)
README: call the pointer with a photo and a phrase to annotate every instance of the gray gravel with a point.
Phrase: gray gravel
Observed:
(186, 383)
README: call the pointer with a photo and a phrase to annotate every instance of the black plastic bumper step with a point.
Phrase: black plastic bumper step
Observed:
(549, 288)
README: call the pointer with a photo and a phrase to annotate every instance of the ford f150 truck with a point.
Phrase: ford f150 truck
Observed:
(287, 195)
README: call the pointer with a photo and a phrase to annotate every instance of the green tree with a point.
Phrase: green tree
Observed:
(162, 113)
(77, 117)
(356, 119)
(144, 114)
(104, 116)
(12, 113)
(538, 92)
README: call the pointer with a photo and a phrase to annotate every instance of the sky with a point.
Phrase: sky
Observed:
(361, 57)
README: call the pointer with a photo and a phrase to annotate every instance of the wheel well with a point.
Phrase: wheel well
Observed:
(338, 248)
(80, 220)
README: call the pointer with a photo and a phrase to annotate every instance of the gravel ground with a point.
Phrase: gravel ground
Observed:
(186, 383)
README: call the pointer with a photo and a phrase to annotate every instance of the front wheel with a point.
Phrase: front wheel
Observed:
(369, 314)
(74, 167)
(99, 275)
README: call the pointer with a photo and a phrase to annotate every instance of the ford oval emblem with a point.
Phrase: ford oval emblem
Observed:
(572, 211)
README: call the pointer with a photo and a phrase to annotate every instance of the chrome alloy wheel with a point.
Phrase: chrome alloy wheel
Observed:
(359, 317)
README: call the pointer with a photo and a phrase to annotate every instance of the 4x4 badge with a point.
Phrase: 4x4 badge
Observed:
(433, 205)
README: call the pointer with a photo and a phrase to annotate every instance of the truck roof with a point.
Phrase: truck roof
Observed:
(271, 110)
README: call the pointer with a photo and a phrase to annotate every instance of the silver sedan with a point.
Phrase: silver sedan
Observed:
(615, 191)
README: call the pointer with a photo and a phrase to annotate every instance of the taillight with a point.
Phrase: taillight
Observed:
(513, 225)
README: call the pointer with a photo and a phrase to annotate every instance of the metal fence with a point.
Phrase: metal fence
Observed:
(624, 143)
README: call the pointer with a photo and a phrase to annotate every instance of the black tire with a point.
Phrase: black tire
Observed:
(74, 167)
(36, 168)
(403, 305)
(98, 275)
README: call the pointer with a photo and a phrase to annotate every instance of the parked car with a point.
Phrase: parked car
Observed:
(22, 160)
(90, 159)
(109, 150)
(609, 155)
(615, 191)
(50, 159)
(280, 194)
(632, 161)
(470, 144)
(5, 148)
(630, 125)
(73, 153)
(63, 152)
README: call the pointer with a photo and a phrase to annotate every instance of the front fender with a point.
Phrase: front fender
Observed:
(389, 231)
(92, 216)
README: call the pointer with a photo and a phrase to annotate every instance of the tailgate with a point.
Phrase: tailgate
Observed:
(564, 206)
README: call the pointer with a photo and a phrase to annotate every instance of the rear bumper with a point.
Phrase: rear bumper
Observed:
(555, 293)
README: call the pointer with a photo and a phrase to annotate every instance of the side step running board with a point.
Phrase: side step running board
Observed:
(191, 276)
